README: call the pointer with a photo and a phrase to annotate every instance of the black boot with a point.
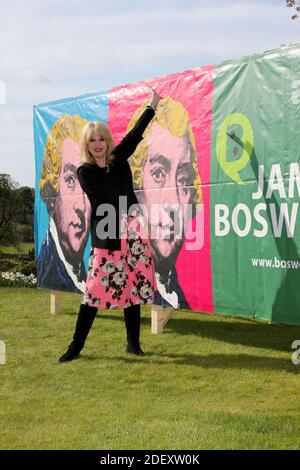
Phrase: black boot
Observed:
(84, 322)
(132, 317)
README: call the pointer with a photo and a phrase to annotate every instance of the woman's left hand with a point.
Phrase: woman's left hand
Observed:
(155, 98)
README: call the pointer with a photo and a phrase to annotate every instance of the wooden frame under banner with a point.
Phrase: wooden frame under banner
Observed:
(159, 315)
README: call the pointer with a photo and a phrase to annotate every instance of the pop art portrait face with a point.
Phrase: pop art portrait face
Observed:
(167, 183)
(66, 203)
(166, 179)
(71, 209)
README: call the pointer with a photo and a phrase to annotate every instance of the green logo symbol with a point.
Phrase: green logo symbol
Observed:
(242, 145)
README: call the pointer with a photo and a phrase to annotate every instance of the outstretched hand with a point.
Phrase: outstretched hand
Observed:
(155, 98)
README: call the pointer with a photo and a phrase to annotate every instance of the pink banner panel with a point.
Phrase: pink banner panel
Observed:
(179, 140)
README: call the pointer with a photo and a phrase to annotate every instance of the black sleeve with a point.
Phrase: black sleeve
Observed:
(131, 140)
(89, 181)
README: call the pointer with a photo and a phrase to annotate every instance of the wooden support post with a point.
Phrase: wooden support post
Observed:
(54, 302)
(2, 353)
(159, 318)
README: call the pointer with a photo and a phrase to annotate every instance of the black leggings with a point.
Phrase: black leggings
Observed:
(132, 309)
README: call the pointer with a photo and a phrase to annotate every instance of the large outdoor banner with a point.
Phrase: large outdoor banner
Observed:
(221, 161)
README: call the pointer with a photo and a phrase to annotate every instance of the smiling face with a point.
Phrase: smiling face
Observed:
(97, 146)
(167, 180)
(71, 212)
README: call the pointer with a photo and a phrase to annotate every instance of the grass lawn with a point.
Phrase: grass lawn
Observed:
(25, 248)
(208, 382)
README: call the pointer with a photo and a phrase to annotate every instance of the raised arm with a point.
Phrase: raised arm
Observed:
(131, 140)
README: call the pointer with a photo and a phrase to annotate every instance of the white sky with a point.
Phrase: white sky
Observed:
(51, 49)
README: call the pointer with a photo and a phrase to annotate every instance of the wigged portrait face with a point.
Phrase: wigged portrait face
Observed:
(168, 181)
(71, 213)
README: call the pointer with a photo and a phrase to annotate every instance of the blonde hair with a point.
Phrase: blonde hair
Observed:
(102, 131)
(173, 116)
(65, 127)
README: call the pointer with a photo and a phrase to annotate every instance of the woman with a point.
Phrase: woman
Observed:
(121, 270)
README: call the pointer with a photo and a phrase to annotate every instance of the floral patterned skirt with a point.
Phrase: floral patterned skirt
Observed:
(119, 279)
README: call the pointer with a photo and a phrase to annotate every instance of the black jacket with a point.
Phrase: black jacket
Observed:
(102, 187)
